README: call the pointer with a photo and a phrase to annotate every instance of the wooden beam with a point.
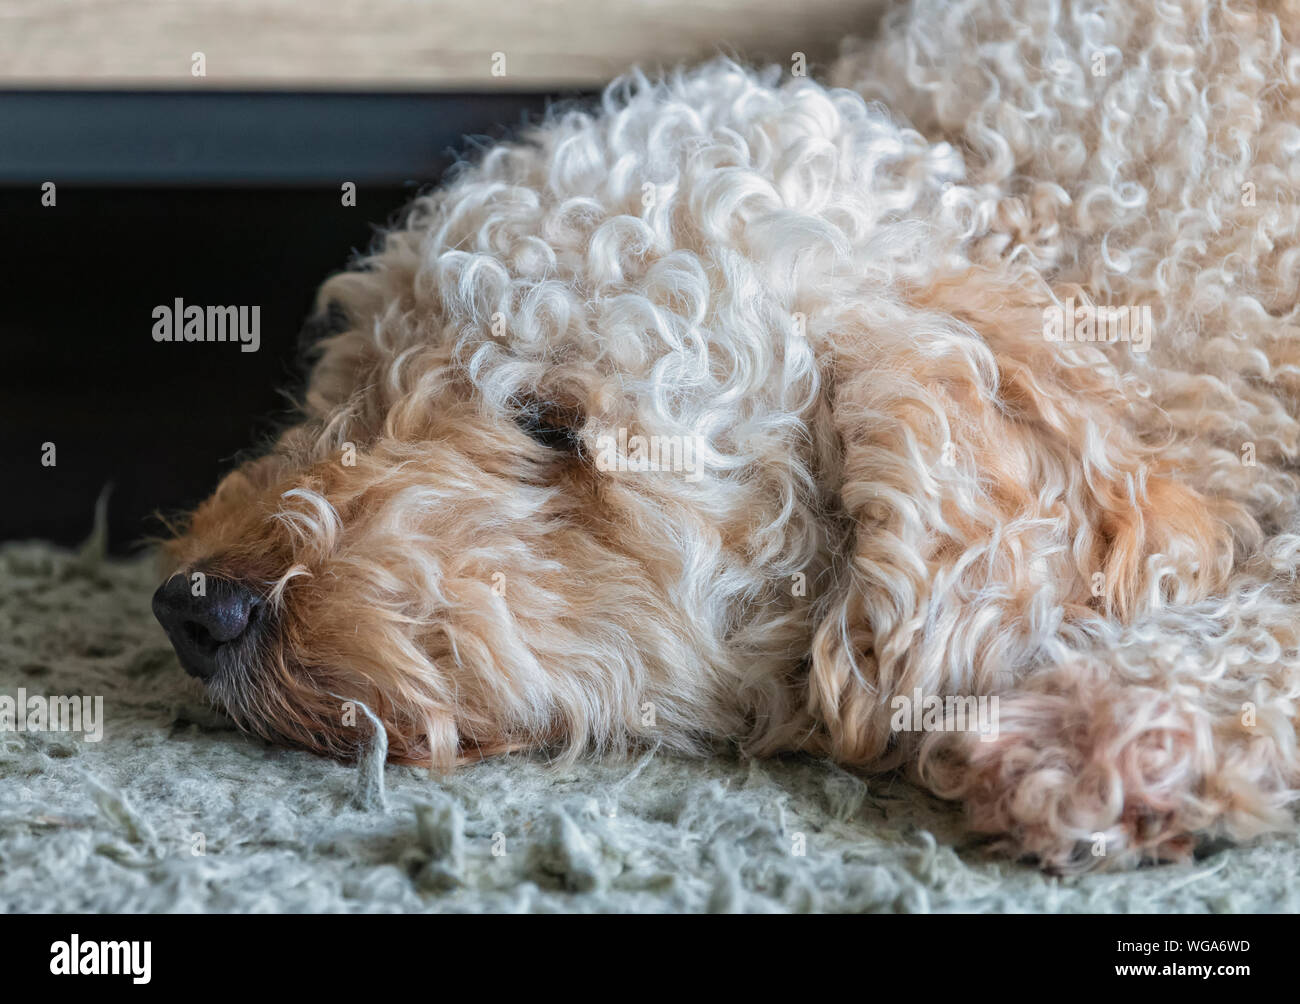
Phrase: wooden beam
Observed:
(419, 44)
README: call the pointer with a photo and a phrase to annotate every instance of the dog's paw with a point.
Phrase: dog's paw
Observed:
(1086, 772)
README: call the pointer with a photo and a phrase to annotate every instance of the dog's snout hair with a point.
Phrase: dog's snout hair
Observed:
(749, 409)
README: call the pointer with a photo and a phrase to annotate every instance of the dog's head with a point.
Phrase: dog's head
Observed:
(526, 504)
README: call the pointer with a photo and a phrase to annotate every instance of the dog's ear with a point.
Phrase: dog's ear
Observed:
(998, 492)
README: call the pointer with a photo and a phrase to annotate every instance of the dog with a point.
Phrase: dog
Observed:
(749, 409)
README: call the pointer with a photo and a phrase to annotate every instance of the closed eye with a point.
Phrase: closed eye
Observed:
(550, 425)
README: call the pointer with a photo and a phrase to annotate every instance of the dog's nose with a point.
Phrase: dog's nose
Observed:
(202, 617)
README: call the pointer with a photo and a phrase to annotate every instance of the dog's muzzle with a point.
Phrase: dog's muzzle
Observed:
(207, 621)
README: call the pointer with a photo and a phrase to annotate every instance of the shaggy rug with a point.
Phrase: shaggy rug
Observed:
(173, 810)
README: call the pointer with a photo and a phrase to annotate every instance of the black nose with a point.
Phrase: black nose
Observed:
(203, 617)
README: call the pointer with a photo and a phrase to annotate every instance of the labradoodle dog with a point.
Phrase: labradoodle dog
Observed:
(750, 409)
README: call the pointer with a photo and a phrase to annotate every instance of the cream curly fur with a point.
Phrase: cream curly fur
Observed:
(840, 292)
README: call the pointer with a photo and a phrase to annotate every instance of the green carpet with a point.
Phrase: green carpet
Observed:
(173, 810)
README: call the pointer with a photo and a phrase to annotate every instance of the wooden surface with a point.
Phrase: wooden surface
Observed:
(427, 44)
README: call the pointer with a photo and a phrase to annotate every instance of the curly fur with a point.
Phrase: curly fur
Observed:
(840, 291)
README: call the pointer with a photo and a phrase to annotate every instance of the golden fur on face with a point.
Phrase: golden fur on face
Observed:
(905, 486)
(469, 585)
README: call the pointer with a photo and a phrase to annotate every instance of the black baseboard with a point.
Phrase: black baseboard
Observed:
(247, 138)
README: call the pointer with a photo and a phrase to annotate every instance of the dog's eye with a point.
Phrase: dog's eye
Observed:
(549, 424)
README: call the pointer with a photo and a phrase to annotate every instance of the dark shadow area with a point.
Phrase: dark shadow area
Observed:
(218, 199)
(160, 421)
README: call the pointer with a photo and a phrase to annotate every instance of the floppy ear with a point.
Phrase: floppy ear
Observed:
(999, 494)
